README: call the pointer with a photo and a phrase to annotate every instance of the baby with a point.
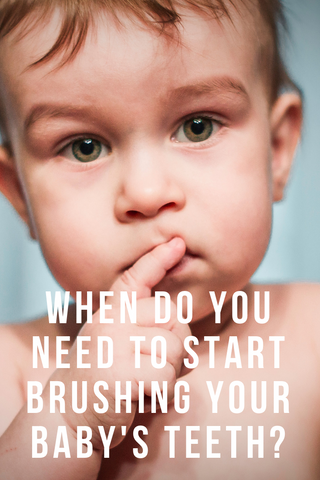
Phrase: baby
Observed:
(143, 145)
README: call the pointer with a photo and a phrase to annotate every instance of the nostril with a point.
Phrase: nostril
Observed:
(133, 214)
(167, 206)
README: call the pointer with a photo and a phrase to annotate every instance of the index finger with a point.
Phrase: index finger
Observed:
(151, 268)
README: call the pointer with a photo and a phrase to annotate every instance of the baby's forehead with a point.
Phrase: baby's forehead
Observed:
(197, 35)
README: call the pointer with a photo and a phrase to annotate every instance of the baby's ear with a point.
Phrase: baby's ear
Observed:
(11, 188)
(286, 121)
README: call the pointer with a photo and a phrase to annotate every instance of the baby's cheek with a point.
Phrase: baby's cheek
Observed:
(242, 227)
(249, 234)
(69, 253)
(64, 256)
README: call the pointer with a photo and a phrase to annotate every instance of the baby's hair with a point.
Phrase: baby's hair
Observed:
(162, 15)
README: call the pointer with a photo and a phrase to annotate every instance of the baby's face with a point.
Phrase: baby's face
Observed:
(141, 139)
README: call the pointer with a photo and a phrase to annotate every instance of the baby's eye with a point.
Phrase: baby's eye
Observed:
(197, 129)
(85, 150)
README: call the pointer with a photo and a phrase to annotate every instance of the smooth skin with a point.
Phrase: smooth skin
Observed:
(175, 212)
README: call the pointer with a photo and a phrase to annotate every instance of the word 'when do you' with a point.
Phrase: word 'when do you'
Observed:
(58, 310)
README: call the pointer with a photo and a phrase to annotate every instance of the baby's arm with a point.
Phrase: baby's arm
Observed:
(15, 444)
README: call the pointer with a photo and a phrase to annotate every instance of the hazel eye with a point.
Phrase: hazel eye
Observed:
(197, 129)
(85, 150)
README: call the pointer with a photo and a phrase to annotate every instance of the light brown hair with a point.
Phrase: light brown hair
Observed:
(78, 16)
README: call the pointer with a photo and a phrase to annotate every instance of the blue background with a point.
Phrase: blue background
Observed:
(294, 252)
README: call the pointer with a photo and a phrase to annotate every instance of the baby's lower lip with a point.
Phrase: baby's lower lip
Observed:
(182, 265)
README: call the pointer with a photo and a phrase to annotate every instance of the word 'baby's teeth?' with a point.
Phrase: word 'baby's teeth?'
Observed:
(247, 442)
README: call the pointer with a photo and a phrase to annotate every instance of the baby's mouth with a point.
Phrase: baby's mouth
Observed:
(187, 258)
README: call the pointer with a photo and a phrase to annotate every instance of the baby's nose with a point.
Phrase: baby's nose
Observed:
(146, 191)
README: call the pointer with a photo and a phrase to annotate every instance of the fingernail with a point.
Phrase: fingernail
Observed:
(175, 241)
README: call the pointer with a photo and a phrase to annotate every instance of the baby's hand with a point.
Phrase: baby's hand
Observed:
(147, 272)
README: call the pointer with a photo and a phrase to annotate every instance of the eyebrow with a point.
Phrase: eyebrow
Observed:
(48, 110)
(213, 86)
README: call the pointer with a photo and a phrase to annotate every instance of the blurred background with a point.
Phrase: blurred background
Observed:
(294, 252)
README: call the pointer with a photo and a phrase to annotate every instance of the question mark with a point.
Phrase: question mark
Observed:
(282, 435)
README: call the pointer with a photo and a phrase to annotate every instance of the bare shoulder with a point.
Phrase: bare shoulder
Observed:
(15, 360)
(296, 307)
(296, 298)
(293, 297)
(16, 340)
(16, 369)
(12, 355)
